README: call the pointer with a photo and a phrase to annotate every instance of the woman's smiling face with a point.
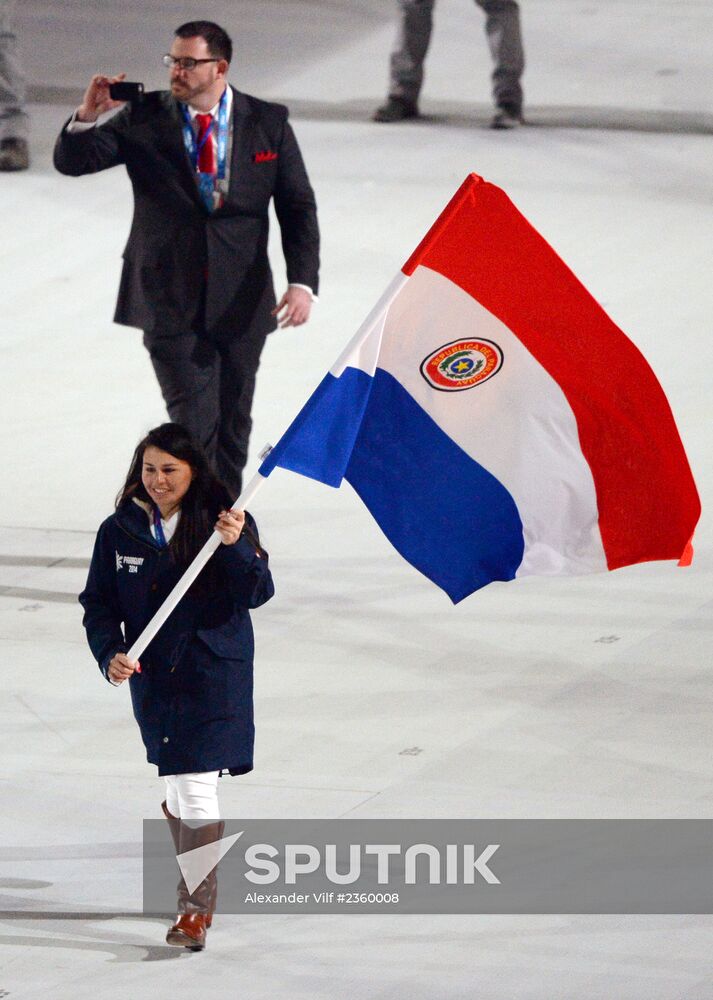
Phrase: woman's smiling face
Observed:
(166, 479)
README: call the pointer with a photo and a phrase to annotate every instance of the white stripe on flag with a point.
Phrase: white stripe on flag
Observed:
(518, 424)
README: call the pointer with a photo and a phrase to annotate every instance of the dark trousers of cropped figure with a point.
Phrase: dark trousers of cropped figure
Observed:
(208, 383)
(502, 27)
(13, 117)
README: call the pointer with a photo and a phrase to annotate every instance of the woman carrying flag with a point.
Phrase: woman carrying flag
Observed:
(192, 693)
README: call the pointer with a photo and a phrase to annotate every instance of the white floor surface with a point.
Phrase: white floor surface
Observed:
(586, 697)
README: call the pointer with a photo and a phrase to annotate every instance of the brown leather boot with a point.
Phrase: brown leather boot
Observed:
(195, 910)
(174, 825)
(189, 931)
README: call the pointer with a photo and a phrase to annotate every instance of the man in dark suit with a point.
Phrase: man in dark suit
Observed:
(204, 161)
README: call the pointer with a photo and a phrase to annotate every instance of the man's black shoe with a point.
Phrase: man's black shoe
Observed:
(396, 109)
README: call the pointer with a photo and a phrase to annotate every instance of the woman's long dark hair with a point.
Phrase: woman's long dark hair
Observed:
(201, 504)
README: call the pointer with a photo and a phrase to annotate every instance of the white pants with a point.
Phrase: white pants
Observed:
(193, 796)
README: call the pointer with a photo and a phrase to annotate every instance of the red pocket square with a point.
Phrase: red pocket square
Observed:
(265, 156)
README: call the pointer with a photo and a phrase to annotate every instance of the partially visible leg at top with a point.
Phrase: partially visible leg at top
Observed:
(406, 61)
(14, 121)
(412, 41)
(502, 27)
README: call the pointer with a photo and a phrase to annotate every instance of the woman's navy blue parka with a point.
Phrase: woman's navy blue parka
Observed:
(193, 699)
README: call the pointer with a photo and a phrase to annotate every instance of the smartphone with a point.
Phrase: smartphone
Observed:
(126, 91)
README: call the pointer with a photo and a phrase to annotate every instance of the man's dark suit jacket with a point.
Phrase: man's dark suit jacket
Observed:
(175, 243)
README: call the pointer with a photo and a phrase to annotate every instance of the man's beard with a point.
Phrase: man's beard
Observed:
(187, 93)
(181, 88)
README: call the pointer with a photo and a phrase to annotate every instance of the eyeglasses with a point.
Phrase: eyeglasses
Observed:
(185, 62)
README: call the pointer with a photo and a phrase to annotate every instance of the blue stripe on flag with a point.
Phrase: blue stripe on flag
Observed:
(319, 441)
(446, 514)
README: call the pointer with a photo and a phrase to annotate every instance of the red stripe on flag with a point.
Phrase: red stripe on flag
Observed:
(647, 499)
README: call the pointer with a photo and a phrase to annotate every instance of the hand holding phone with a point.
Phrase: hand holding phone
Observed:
(97, 97)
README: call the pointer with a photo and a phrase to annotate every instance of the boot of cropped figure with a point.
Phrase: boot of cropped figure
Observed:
(195, 909)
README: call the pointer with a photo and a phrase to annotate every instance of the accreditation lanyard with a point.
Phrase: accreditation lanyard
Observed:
(206, 182)
(158, 528)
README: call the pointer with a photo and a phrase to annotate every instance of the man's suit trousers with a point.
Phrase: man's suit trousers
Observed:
(502, 27)
(208, 385)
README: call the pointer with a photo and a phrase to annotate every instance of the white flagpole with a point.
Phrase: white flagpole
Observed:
(376, 316)
(192, 572)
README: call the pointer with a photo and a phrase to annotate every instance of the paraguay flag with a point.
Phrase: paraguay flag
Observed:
(493, 419)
